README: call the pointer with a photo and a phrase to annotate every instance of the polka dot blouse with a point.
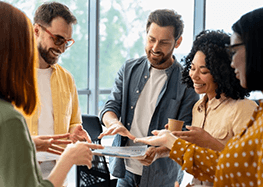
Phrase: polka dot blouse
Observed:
(239, 164)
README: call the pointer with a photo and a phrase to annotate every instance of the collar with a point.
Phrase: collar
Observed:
(54, 66)
(168, 70)
(213, 103)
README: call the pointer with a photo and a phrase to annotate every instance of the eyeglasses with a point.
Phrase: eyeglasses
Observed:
(59, 40)
(229, 48)
(234, 45)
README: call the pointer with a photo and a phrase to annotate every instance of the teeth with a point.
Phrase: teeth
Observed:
(198, 85)
(55, 53)
(156, 54)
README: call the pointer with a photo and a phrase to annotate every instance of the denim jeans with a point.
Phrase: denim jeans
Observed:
(129, 180)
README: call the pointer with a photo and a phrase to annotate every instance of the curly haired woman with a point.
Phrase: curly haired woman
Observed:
(223, 111)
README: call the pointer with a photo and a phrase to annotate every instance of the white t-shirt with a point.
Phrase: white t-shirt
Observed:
(46, 118)
(143, 112)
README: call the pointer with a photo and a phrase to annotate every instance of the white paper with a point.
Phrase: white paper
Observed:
(45, 156)
(136, 152)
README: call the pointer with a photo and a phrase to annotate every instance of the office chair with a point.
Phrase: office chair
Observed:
(256, 100)
(98, 175)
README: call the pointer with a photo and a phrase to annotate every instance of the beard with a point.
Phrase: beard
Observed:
(161, 59)
(45, 54)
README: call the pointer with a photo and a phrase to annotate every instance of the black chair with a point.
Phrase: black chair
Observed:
(256, 100)
(98, 175)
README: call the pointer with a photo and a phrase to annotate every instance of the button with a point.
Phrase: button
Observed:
(128, 124)
(137, 91)
(145, 76)
(131, 107)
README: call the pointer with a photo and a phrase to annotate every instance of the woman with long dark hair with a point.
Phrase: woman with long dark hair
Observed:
(223, 111)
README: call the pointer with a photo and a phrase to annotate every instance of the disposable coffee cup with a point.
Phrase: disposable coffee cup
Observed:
(175, 125)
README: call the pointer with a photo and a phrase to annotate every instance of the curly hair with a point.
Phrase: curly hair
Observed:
(218, 60)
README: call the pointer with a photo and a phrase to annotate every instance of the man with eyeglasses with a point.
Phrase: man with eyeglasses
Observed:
(58, 111)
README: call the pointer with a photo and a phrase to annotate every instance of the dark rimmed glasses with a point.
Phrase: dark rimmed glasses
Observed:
(59, 40)
(234, 45)
(230, 47)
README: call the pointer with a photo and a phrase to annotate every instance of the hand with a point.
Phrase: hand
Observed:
(150, 156)
(80, 153)
(160, 138)
(79, 134)
(50, 143)
(200, 137)
(195, 135)
(117, 128)
(176, 184)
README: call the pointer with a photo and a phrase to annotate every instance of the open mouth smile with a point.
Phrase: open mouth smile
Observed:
(198, 85)
(55, 52)
(156, 54)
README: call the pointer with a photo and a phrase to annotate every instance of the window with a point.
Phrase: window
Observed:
(223, 14)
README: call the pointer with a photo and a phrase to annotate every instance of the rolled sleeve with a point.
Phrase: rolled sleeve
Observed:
(115, 101)
(76, 113)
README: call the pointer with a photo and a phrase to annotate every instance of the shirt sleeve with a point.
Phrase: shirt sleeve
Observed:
(76, 113)
(115, 100)
(200, 162)
(259, 163)
(18, 166)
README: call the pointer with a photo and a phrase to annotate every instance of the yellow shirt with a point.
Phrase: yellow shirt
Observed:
(65, 103)
(239, 164)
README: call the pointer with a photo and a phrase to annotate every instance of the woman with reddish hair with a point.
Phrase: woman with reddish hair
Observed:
(18, 59)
